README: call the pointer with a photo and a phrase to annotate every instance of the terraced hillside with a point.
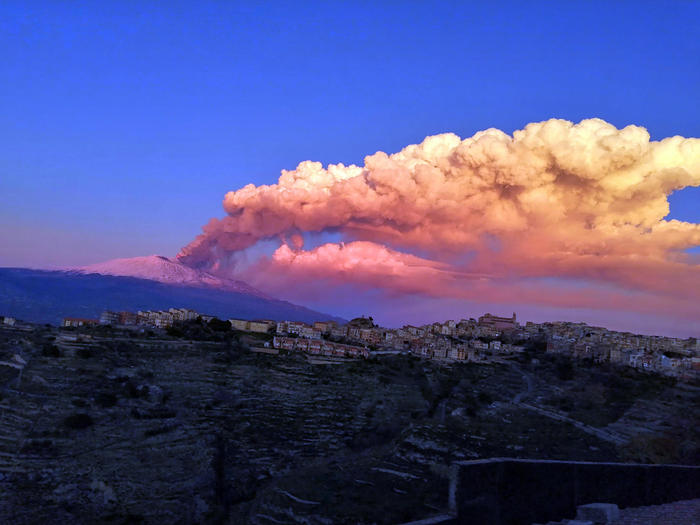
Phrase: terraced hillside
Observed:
(156, 429)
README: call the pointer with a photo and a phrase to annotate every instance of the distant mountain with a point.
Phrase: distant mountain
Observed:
(169, 271)
(48, 296)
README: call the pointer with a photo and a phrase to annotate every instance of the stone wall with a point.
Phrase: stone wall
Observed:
(503, 491)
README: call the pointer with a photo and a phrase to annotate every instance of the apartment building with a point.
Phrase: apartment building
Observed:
(75, 322)
(498, 323)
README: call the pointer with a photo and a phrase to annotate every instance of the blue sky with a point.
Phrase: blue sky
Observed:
(123, 124)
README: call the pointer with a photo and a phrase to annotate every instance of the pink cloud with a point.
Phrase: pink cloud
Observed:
(369, 266)
(581, 202)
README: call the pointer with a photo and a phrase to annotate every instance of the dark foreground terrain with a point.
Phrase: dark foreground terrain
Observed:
(156, 429)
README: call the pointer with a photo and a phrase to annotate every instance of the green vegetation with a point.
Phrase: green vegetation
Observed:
(85, 353)
(50, 350)
(105, 399)
(197, 330)
(218, 325)
(78, 421)
(366, 441)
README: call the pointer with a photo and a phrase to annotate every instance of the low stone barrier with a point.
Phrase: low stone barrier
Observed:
(502, 491)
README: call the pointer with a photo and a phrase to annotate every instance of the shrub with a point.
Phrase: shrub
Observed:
(220, 326)
(38, 447)
(175, 331)
(653, 448)
(565, 369)
(135, 391)
(485, 398)
(159, 430)
(565, 403)
(166, 397)
(105, 399)
(158, 413)
(50, 351)
(85, 353)
(427, 392)
(78, 421)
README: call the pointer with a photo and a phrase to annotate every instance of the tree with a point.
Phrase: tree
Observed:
(218, 325)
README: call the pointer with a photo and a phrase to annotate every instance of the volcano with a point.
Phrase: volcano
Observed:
(152, 282)
(170, 271)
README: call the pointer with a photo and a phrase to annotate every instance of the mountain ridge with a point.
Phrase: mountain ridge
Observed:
(47, 296)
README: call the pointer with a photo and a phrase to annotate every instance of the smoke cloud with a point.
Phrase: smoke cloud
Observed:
(578, 202)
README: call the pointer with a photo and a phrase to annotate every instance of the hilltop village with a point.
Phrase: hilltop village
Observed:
(475, 340)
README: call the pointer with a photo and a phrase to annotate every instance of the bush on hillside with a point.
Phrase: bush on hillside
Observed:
(78, 421)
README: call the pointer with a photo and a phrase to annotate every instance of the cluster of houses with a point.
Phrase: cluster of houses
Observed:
(489, 337)
(665, 355)
(76, 322)
(163, 318)
(319, 347)
(259, 327)
(152, 318)
(361, 336)
(464, 340)
(467, 339)
(7, 321)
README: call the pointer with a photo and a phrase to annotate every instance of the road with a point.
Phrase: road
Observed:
(529, 380)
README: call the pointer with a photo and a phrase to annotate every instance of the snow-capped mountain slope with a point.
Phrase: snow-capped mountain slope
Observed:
(164, 270)
(41, 296)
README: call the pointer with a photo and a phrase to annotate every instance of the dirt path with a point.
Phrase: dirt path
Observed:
(605, 435)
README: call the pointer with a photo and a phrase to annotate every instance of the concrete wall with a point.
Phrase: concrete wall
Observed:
(502, 491)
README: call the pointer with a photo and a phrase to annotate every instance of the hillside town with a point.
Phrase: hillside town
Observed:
(110, 410)
(484, 339)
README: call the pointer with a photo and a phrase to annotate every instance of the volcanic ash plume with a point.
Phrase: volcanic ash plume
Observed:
(557, 199)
